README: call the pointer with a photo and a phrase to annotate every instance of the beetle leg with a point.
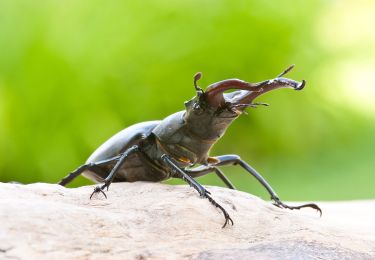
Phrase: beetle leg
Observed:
(193, 183)
(235, 159)
(203, 170)
(71, 176)
(98, 189)
(114, 170)
(280, 204)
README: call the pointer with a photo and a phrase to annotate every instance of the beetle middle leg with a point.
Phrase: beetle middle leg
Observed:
(236, 160)
(203, 170)
(88, 166)
(108, 180)
(202, 191)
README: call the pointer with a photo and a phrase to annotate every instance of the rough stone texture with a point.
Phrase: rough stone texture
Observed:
(158, 221)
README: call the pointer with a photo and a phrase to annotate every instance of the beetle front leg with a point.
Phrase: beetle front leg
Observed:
(202, 191)
(114, 171)
(236, 160)
(186, 177)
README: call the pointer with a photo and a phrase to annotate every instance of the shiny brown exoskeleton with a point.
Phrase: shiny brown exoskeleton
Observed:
(170, 148)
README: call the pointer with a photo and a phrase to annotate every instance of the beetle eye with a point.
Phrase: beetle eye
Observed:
(198, 108)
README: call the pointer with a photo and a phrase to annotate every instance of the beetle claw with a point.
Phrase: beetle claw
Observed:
(98, 189)
(227, 220)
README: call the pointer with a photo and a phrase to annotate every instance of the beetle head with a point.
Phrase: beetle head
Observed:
(210, 112)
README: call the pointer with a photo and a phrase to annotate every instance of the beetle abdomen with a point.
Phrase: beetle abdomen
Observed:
(117, 144)
(122, 141)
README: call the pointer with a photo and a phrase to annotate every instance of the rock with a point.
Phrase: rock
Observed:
(158, 221)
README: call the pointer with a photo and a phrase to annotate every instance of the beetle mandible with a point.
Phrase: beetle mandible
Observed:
(169, 148)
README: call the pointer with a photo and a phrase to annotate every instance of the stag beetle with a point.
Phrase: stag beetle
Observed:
(159, 150)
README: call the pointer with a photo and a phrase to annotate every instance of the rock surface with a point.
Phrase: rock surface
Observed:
(159, 221)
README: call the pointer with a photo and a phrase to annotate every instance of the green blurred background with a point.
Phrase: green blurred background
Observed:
(73, 73)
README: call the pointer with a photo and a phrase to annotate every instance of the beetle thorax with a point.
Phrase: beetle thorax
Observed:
(188, 135)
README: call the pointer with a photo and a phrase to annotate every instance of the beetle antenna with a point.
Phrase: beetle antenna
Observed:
(197, 77)
(286, 71)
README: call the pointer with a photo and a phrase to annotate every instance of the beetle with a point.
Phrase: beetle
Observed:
(178, 146)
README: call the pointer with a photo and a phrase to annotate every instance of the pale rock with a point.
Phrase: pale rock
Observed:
(157, 221)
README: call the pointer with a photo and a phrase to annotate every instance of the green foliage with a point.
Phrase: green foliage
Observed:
(73, 73)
